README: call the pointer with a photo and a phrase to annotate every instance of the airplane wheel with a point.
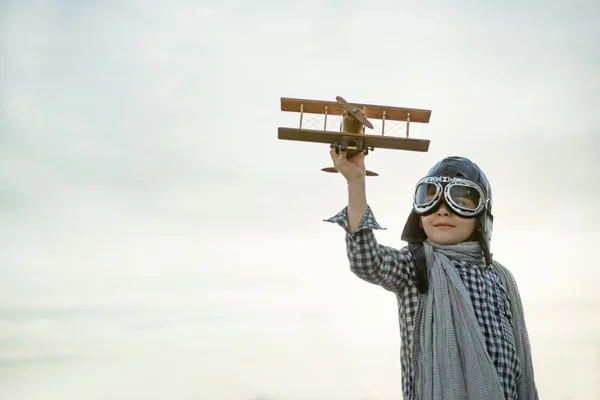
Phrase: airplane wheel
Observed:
(344, 145)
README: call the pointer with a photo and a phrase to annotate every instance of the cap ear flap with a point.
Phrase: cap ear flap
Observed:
(487, 221)
(413, 232)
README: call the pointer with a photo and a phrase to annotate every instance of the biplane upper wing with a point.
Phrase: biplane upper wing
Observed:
(376, 141)
(369, 110)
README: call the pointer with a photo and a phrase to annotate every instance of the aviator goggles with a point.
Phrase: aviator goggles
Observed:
(464, 197)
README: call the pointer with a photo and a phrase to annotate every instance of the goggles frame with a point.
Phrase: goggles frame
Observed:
(443, 186)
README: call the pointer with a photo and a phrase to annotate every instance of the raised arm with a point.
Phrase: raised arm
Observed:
(380, 265)
(357, 202)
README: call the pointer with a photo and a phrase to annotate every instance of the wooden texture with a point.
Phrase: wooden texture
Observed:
(375, 141)
(369, 110)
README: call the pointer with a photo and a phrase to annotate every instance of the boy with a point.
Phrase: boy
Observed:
(461, 319)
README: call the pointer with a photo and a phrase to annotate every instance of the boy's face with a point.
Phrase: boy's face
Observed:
(443, 227)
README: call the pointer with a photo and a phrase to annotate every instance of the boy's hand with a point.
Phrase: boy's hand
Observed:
(353, 168)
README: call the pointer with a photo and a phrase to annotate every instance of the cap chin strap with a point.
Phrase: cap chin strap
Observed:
(418, 256)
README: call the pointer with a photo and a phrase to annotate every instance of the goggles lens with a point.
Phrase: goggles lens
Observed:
(462, 196)
(427, 193)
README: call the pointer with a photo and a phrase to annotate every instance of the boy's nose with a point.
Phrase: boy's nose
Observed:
(442, 210)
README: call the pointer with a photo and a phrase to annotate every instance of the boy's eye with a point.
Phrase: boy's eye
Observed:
(465, 202)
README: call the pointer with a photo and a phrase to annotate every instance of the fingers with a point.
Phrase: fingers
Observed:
(334, 157)
(338, 159)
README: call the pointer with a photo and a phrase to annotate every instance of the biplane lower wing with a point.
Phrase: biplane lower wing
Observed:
(375, 141)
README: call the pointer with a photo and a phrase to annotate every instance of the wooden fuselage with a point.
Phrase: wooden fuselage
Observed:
(351, 125)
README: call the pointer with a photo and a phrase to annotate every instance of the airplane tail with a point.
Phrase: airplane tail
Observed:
(335, 171)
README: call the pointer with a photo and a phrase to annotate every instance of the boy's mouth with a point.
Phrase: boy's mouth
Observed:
(443, 225)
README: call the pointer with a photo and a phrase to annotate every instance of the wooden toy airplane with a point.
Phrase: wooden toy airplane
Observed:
(352, 138)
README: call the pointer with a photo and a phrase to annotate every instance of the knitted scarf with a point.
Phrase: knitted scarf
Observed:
(451, 360)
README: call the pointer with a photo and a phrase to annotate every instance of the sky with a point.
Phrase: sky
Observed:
(158, 241)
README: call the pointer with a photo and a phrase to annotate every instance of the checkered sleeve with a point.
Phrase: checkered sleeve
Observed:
(375, 263)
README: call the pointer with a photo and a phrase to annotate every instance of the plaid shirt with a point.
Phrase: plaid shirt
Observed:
(393, 270)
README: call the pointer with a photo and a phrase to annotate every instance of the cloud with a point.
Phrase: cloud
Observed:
(100, 114)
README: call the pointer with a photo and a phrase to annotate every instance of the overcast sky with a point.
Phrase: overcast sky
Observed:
(158, 241)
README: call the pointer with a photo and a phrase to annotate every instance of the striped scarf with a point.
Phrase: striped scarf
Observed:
(451, 360)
